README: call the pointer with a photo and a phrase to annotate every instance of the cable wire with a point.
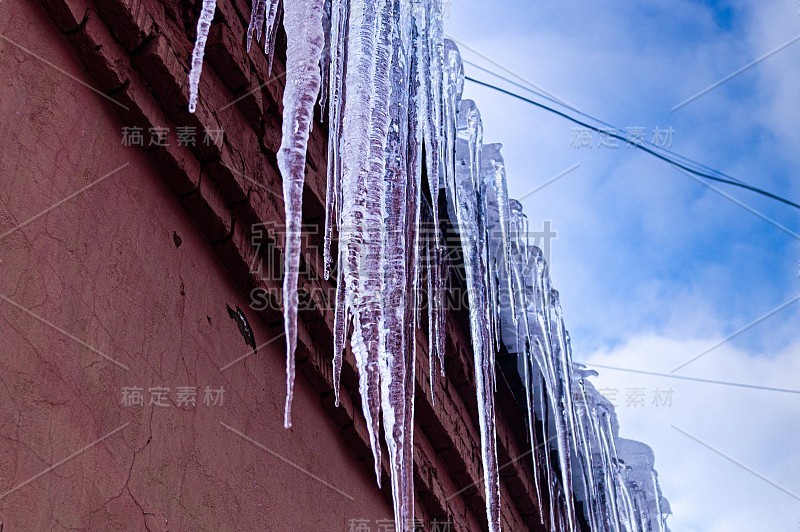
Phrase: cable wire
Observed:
(642, 146)
(652, 145)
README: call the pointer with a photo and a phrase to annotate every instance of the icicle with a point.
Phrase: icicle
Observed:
(440, 273)
(339, 16)
(469, 214)
(271, 30)
(256, 21)
(203, 26)
(587, 462)
(546, 438)
(264, 21)
(325, 61)
(498, 242)
(303, 24)
(452, 89)
(432, 325)
(340, 325)
(527, 377)
(413, 148)
(359, 249)
(431, 79)
(562, 370)
(494, 175)
(516, 333)
(397, 216)
(428, 78)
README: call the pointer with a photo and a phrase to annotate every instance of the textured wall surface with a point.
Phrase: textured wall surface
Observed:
(116, 266)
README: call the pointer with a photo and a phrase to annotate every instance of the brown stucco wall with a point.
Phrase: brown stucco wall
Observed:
(97, 296)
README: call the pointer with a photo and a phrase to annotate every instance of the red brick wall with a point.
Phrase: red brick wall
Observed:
(98, 297)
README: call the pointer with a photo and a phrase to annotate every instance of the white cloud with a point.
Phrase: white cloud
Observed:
(758, 428)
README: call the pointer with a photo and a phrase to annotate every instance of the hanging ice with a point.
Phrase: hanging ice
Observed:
(264, 19)
(303, 24)
(392, 86)
(469, 209)
(203, 25)
(374, 202)
(510, 278)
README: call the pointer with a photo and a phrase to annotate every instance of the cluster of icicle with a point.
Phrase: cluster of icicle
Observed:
(392, 87)
(384, 61)
(513, 302)
(377, 65)
(618, 483)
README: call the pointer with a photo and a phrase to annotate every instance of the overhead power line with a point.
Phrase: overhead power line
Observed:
(527, 82)
(531, 89)
(613, 132)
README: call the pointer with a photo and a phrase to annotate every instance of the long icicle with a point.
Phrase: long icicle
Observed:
(339, 14)
(357, 239)
(203, 26)
(468, 205)
(303, 24)
(397, 216)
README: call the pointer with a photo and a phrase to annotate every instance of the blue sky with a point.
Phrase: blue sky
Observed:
(653, 266)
